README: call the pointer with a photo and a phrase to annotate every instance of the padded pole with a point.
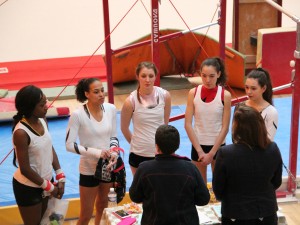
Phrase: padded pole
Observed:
(295, 116)
(155, 38)
(295, 103)
(108, 52)
(222, 32)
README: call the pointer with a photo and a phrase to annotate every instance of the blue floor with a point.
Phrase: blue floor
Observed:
(70, 161)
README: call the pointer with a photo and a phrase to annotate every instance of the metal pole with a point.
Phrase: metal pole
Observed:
(222, 21)
(155, 38)
(281, 9)
(108, 52)
(295, 102)
(295, 116)
(163, 38)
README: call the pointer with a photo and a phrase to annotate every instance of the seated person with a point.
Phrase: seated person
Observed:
(170, 186)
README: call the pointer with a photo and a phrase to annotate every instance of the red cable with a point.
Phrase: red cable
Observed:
(145, 8)
(3, 3)
(188, 28)
(202, 40)
(91, 55)
(6, 157)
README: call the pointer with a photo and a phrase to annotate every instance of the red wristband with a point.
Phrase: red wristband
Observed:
(61, 177)
(117, 149)
(49, 187)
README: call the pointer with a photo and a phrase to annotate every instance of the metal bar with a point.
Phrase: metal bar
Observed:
(236, 25)
(282, 87)
(108, 52)
(201, 27)
(222, 32)
(295, 117)
(281, 9)
(164, 37)
(295, 102)
(294, 127)
(155, 39)
(235, 101)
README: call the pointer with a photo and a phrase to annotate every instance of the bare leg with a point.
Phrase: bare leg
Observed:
(31, 215)
(87, 201)
(101, 200)
(213, 163)
(202, 169)
(133, 170)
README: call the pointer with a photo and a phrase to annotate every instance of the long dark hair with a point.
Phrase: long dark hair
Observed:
(140, 66)
(263, 78)
(25, 102)
(249, 128)
(219, 66)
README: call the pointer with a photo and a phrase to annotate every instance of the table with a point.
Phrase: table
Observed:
(206, 214)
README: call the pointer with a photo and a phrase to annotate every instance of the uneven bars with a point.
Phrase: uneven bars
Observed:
(281, 9)
(163, 38)
(201, 27)
(282, 87)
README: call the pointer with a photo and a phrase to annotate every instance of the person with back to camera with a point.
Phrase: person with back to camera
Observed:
(94, 123)
(210, 105)
(148, 107)
(258, 87)
(170, 186)
(35, 156)
(248, 172)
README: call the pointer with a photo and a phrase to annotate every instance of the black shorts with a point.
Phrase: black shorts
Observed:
(89, 181)
(205, 148)
(135, 160)
(26, 195)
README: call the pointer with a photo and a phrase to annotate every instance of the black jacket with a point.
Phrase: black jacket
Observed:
(245, 180)
(169, 187)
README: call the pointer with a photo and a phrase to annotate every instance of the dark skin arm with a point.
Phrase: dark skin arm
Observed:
(21, 141)
(56, 166)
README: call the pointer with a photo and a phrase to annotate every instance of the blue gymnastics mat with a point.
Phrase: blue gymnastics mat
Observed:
(70, 161)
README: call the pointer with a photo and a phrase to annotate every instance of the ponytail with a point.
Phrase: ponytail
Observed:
(16, 119)
(219, 65)
(263, 78)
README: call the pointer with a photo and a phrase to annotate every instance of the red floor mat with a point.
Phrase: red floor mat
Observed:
(48, 73)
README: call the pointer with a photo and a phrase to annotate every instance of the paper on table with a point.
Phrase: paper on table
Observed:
(203, 218)
(217, 210)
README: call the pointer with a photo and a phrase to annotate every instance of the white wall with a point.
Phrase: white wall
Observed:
(40, 29)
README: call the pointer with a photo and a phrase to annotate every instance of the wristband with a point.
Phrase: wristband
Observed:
(60, 177)
(58, 171)
(117, 149)
(44, 184)
(47, 186)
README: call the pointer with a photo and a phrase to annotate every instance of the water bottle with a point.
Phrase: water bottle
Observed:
(112, 198)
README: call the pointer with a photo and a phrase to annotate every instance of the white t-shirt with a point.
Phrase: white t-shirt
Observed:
(39, 153)
(93, 136)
